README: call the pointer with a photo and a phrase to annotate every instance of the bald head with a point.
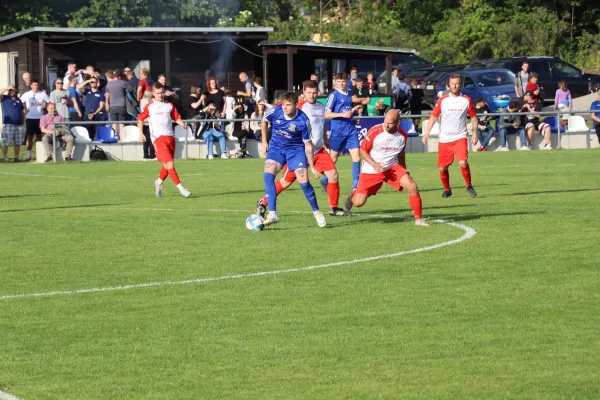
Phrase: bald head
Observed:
(391, 120)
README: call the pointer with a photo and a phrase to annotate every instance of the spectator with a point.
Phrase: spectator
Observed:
(260, 92)
(596, 116)
(132, 81)
(395, 79)
(101, 79)
(401, 93)
(144, 84)
(60, 97)
(380, 107)
(73, 71)
(533, 87)
(75, 101)
(353, 75)
(34, 101)
(209, 74)
(258, 114)
(241, 129)
(116, 106)
(482, 107)
(149, 153)
(214, 95)
(360, 96)
(562, 98)
(193, 107)
(170, 94)
(12, 119)
(47, 128)
(211, 131)
(511, 123)
(27, 81)
(416, 101)
(321, 88)
(248, 93)
(95, 101)
(522, 79)
(371, 84)
(229, 103)
(533, 120)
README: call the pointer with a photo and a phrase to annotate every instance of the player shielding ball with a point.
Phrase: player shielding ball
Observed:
(384, 160)
(290, 144)
(315, 112)
(454, 108)
(161, 115)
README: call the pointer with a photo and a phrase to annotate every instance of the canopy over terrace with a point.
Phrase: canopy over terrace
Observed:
(300, 59)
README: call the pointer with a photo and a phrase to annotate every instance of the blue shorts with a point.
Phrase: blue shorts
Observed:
(343, 136)
(294, 159)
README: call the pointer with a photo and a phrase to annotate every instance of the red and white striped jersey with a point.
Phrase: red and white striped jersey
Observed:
(383, 147)
(161, 116)
(454, 111)
(316, 115)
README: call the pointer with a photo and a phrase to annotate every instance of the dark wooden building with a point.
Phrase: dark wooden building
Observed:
(182, 54)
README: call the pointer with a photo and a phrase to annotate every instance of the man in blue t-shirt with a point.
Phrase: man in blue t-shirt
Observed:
(13, 119)
(290, 143)
(343, 131)
(596, 116)
(95, 101)
(75, 102)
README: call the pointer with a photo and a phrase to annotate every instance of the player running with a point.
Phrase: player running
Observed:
(454, 108)
(290, 143)
(315, 112)
(384, 160)
(161, 115)
(343, 131)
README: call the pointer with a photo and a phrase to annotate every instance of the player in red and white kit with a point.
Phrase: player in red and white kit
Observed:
(323, 162)
(454, 108)
(383, 154)
(161, 115)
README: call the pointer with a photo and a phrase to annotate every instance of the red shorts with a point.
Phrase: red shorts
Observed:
(323, 162)
(447, 151)
(164, 147)
(371, 183)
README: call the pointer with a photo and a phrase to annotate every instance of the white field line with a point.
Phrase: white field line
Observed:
(8, 396)
(468, 234)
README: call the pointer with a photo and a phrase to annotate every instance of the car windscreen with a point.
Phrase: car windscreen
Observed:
(495, 78)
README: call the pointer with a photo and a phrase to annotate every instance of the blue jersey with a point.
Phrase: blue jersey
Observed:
(288, 133)
(596, 106)
(339, 102)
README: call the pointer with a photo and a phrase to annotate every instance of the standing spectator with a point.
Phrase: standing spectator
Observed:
(522, 79)
(27, 81)
(132, 81)
(73, 71)
(170, 94)
(513, 123)
(60, 97)
(371, 84)
(241, 129)
(360, 96)
(395, 79)
(116, 92)
(229, 114)
(214, 95)
(94, 104)
(75, 101)
(12, 119)
(533, 87)
(483, 123)
(416, 101)
(248, 92)
(46, 127)
(353, 75)
(34, 101)
(596, 116)
(321, 88)
(257, 115)
(101, 79)
(208, 75)
(144, 83)
(533, 120)
(149, 153)
(260, 92)
(211, 131)
(401, 93)
(562, 98)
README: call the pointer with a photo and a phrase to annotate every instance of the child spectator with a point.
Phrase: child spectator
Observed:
(481, 107)
(562, 98)
(229, 114)
(532, 86)
(371, 84)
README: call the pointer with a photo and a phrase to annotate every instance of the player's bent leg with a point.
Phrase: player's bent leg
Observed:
(414, 199)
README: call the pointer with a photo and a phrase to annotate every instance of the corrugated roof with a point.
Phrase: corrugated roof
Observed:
(338, 46)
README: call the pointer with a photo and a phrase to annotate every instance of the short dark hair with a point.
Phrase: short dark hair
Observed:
(341, 75)
(35, 81)
(289, 96)
(309, 84)
(533, 75)
(358, 79)
(514, 105)
(525, 62)
(402, 77)
(480, 100)
(157, 85)
(258, 80)
(454, 76)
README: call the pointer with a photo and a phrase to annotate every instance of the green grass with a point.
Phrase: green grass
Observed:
(510, 313)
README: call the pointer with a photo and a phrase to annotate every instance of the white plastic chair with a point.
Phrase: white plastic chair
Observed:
(180, 134)
(577, 124)
(434, 131)
(81, 134)
(131, 134)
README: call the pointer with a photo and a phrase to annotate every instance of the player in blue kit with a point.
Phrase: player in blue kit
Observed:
(343, 131)
(290, 143)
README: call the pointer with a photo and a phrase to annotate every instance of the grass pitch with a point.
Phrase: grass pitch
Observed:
(510, 313)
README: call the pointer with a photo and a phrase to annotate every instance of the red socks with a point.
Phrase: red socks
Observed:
(333, 191)
(416, 205)
(466, 172)
(163, 174)
(174, 176)
(279, 190)
(445, 177)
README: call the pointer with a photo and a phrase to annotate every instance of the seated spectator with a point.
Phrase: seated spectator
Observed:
(380, 107)
(211, 131)
(360, 96)
(482, 107)
(514, 123)
(596, 116)
(62, 134)
(563, 100)
(258, 114)
(241, 129)
(371, 84)
(533, 87)
(533, 120)
(12, 118)
(416, 101)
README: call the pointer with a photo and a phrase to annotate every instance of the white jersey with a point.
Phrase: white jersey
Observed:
(34, 103)
(383, 147)
(316, 115)
(454, 111)
(161, 116)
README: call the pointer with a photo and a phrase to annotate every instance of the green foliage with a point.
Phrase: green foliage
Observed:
(293, 29)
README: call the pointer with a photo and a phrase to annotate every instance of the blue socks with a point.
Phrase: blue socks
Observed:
(355, 173)
(271, 190)
(309, 193)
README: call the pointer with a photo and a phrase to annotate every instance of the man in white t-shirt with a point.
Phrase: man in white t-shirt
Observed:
(160, 116)
(315, 112)
(453, 108)
(34, 101)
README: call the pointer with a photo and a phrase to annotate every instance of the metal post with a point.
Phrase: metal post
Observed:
(53, 143)
(41, 55)
(559, 135)
(185, 142)
(265, 70)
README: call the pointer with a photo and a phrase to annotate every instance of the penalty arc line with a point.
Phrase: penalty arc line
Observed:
(468, 234)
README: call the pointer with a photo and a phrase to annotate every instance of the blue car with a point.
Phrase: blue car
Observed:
(497, 86)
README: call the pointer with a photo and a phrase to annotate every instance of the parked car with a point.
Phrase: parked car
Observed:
(433, 79)
(497, 86)
(550, 71)
(405, 63)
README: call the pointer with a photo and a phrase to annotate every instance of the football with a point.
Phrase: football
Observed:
(255, 223)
